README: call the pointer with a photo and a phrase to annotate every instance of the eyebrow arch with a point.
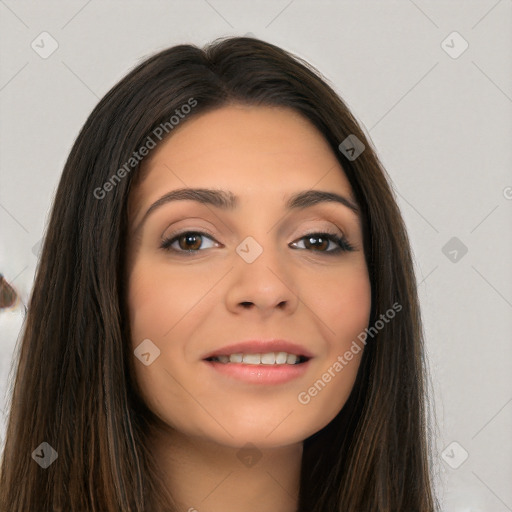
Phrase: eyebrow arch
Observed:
(302, 200)
(226, 200)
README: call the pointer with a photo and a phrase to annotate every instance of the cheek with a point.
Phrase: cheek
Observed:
(351, 306)
(160, 303)
(343, 303)
(160, 296)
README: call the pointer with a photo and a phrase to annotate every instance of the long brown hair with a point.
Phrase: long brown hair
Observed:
(74, 386)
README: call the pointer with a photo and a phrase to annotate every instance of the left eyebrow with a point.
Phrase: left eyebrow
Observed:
(302, 200)
(226, 200)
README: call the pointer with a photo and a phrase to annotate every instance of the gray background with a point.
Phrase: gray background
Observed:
(441, 125)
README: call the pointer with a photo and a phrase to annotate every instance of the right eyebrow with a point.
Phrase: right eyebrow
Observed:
(222, 199)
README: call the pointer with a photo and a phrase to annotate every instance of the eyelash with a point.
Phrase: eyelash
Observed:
(341, 241)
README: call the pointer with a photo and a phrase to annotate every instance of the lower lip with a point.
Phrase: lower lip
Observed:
(260, 373)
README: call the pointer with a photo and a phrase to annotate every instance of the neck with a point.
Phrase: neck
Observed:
(203, 476)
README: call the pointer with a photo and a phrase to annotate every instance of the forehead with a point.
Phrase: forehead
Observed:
(246, 149)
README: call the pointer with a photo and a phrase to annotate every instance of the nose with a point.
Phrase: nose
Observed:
(265, 285)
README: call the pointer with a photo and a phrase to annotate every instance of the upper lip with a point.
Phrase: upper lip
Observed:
(260, 347)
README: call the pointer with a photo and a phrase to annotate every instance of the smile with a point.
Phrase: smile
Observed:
(269, 358)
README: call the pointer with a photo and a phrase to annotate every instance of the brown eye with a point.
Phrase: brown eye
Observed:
(319, 242)
(187, 242)
(190, 241)
(316, 242)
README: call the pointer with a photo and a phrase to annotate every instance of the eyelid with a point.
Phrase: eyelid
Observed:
(329, 230)
(182, 231)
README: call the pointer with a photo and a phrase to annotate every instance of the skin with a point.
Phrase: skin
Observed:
(191, 305)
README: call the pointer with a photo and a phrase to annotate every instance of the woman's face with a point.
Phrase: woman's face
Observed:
(259, 271)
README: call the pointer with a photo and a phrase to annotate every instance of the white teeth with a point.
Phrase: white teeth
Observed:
(281, 357)
(291, 358)
(252, 359)
(268, 358)
(235, 358)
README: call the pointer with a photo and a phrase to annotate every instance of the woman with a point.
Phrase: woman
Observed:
(225, 313)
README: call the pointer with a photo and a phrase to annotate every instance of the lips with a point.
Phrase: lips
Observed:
(261, 347)
(260, 362)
